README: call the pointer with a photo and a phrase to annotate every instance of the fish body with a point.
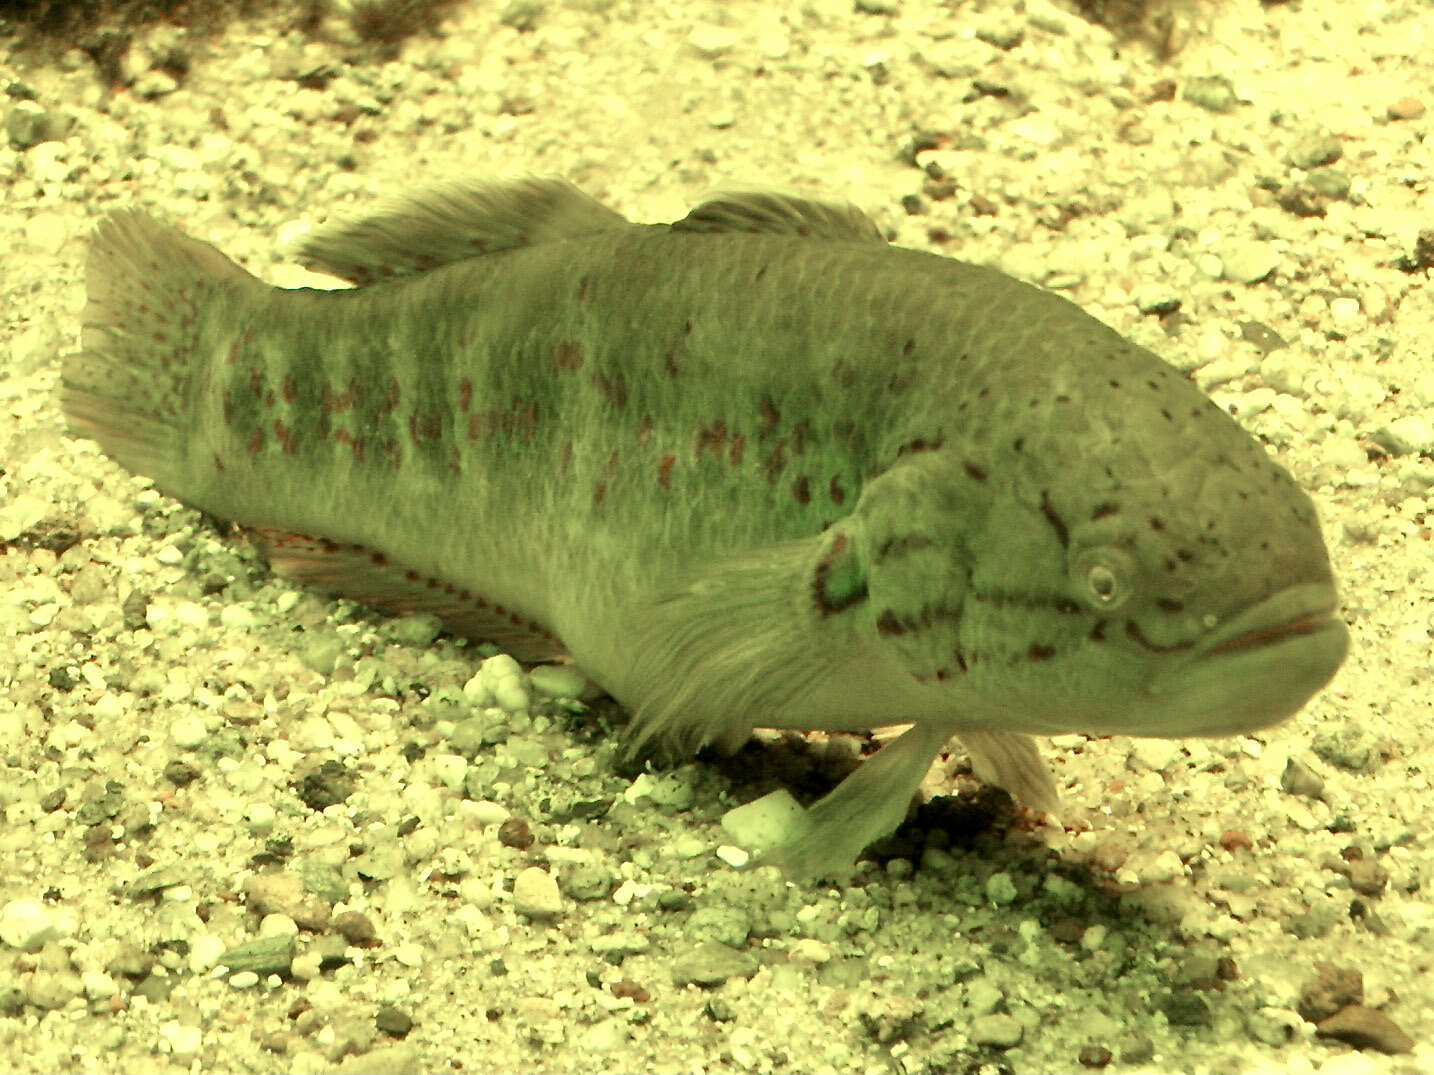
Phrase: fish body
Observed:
(754, 468)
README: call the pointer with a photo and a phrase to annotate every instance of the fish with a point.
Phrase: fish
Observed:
(755, 468)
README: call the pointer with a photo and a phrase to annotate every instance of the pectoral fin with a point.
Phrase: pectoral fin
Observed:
(864, 807)
(1012, 762)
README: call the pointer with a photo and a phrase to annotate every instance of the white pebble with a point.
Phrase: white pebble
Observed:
(450, 770)
(409, 954)
(733, 856)
(278, 925)
(244, 979)
(261, 818)
(1344, 310)
(205, 951)
(183, 1041)
(98, 985)
(187, 732)
(535, 894)
(28, 924)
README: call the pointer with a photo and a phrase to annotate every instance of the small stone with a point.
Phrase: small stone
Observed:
(26, 125)
(392, 1021)
(285, 893)
(356, 928)
(535, 894)
(558, 681)
(1300, 779)
(1367, 877)
(1314, 148)
(1215, 93)
(515, 832)
(1406, 108)
(711, 41)
(266, 955)
(183, 1041)
(712, 963)
(187, 732)
(1335, 988)
(998, 1030)
(28, 924)
(245, 979)
(1365, 1028)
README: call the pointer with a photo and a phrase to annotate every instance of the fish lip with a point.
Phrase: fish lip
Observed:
(1293, 613)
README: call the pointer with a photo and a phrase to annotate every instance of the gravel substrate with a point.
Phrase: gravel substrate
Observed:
(249, 829)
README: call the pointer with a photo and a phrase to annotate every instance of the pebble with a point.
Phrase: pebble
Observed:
(712, 963)
(535, 894)
(1366, 1028)
(183, 1041)
(187, 732)
(28, 924)
(997, 1030)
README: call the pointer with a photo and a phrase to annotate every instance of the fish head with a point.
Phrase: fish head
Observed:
(1094, 576)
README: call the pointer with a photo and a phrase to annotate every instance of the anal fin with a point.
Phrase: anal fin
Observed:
(365, 574)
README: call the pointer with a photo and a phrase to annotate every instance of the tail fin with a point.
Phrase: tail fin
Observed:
(128, 387)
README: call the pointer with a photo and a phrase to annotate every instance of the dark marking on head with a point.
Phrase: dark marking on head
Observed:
(585, 288)
(920, 444)
(902, 546)
(1133, 632)
(1057, 523)
(394, 452)
(599, 492)
(1104, 511)
(613, 388)
(1156, 523)
(908, 347)
(975, 473)
(959, 657)
(827, 604)
(669, 360)
(843, 373)
(802, 490)
(291, 388)
(644, 429)
(226, 403)
(567, 356)
(256, 442)
(393, 396)
(465, 395)
(835, 490)
(739, 444)
(218, 464)
(1168, 604)
(565, 455)
(888, 626)
(664, 472)
(761, 272)
(1037, 652)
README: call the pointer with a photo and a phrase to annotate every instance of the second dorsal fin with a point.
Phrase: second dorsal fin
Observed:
(779, 214)
(450, 222)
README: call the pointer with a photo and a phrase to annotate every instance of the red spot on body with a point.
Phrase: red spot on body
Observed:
(465, 394)
(395, 393)
(775, 462)
(802, 490)
(800, 432)
(714, 437)
(291, 388)
(286, 437)
(613, 389)
(394, 452)
(644, 429)
(975, 473)
(256, 441)
(739, 443)
(835, 491)
(565, 455)
(567, 356)
(669, 361)
(770, 417)
(599, 493)
(664, 471)
(218, 464)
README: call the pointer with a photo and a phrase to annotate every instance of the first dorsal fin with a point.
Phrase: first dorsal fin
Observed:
(452, 222)
(779, 214)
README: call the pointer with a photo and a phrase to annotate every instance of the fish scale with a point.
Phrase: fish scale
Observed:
(755, 468)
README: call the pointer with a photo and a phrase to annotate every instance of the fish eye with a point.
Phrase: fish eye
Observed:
(1104, 577)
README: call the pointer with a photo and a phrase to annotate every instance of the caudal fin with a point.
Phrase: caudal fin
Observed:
(128, 386)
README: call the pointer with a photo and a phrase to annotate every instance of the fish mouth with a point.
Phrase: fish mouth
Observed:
(1255, 669)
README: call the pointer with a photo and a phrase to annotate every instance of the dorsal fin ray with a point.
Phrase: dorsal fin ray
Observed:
(757, 212)
(454, 221)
